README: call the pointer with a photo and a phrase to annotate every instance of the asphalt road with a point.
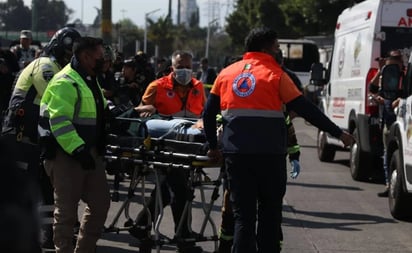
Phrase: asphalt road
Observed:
(325, 211)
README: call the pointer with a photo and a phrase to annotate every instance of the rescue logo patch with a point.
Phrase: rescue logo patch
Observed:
(170, 94)
(244, 84)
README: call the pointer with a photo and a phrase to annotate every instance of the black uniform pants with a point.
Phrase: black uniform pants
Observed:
(257, 185)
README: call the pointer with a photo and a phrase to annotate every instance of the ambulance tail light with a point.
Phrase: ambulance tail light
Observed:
(371, 107)
(369, 15)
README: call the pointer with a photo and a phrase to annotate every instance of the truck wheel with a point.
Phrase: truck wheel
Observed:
(358, 161)
(326, 152)
(400, 202)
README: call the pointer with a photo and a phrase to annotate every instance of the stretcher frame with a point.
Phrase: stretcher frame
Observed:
(148, 156)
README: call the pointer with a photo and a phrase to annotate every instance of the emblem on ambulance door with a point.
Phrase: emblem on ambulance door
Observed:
(341, 57)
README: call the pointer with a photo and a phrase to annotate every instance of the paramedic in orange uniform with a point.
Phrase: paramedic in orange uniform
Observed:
(250, 94)
(176, 95)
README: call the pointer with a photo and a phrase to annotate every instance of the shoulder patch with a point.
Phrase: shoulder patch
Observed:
(47, 75)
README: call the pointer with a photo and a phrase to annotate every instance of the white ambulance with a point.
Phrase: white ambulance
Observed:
(363, 33)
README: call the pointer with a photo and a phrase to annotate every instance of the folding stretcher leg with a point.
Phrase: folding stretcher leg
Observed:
(207, 209)
(196, 180)
(138, 176)
(155, 153)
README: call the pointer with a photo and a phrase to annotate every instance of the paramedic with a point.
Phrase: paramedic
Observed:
(20, 123)
(293, 151)
(72, 129)
(250, 94)
(177, 94)
(226, 227)
(387, 99)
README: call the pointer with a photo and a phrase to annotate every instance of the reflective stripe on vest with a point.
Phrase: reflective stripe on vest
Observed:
(75, 125)
(252, 113)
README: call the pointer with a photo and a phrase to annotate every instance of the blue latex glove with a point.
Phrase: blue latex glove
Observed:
(295, 169)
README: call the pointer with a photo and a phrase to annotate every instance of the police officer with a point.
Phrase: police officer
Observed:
(23, 51)
(137, 75)
(250, 95)
(72, 129)
(20, 124)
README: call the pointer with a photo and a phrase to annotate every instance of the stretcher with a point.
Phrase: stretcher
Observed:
(151, 148)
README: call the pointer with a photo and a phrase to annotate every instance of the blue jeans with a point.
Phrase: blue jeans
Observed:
(257, 184)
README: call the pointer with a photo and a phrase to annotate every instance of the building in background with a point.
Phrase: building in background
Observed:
(188, 13)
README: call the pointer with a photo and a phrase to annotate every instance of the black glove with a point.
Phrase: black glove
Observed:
(83, 156)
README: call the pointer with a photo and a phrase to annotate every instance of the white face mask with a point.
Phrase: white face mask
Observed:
(183, 76)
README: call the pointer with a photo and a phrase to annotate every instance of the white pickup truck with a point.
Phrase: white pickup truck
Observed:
(399, 153)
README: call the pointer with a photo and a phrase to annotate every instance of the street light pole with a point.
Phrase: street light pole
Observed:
(82, 10)
(146, 15)
(208, 37)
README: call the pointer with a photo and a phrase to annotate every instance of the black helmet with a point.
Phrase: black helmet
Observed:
(62, 42)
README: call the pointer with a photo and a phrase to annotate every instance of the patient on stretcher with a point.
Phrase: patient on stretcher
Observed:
(176, 129)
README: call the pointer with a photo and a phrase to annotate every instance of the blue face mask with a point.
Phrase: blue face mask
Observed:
(183, 76)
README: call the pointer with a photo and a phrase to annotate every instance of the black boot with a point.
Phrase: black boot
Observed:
(145, 245)
(225, 246)
(47, 243)
(188, 247)
(385, 193)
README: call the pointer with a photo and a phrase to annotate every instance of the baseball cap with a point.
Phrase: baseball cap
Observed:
(25, 34)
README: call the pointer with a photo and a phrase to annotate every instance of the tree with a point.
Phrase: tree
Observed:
(129, 33)
(49, 15)
(253, 13)
(14, 15)
(52, 15)
(161, 33)
(238, 27)
(309, 17)
(290, 18)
